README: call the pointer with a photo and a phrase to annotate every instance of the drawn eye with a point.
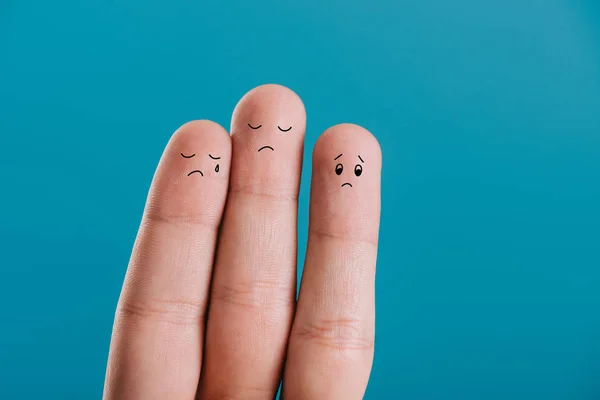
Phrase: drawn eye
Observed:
(339, 169)
(254, 127)
(217, 168)
(184, 156)
(284, 130)
(358, 170)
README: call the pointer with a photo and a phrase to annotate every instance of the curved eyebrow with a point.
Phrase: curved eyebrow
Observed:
(337, 157)
(184, 156)
(214, 158)
(363, 161)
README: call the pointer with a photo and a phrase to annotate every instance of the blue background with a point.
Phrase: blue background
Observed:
(488, 113)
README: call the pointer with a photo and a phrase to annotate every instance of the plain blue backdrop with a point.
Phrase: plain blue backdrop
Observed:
(488, 113)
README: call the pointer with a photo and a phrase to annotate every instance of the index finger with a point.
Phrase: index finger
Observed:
(156, 348)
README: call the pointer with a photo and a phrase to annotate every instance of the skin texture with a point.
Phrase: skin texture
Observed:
(330, 350)
(156, 348)
(253, 290)
(208, 307)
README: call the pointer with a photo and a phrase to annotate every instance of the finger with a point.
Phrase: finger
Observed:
(331, 344)
(156, 345)
(254, 283)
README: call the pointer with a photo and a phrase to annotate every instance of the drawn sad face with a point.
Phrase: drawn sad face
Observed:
(199, 171)
(348, 176)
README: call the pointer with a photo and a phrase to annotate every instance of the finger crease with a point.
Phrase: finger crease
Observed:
(177, 312)
(338, 334)
(343, 238)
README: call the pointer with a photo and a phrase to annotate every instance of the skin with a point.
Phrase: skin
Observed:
(208, 307)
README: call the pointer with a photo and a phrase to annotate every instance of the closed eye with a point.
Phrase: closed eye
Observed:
(284, 130)
(254, 127)
(184, 156)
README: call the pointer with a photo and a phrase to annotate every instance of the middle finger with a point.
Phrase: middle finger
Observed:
(254, 282)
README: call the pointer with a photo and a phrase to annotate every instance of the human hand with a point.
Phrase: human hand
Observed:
(208, 307)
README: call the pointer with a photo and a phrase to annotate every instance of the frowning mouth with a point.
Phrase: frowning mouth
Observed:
(347, 183)
(265, 147)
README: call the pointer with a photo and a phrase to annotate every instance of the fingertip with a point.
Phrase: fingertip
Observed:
(192, 177)
(346, 183)
(269, 105)
(353, 137)
(267, 129)
(202, 133)
(269, 91)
